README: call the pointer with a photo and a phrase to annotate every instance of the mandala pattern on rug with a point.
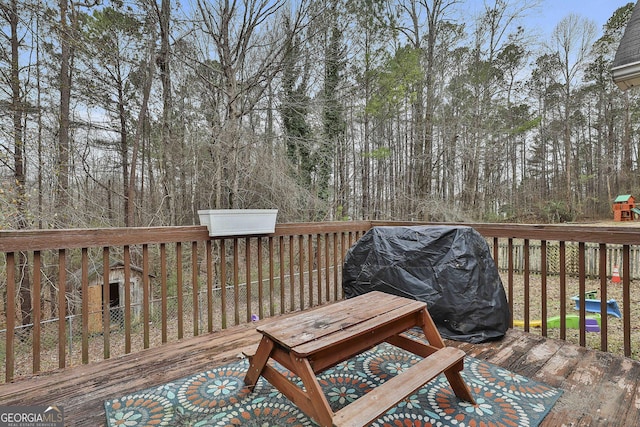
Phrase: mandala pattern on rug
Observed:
(382, 364)
(213, 389)
(342, 388)
(218, 397)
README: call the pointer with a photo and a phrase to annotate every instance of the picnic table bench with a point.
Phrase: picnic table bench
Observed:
(313, 341)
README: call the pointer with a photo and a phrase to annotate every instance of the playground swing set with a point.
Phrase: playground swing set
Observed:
(624, 208)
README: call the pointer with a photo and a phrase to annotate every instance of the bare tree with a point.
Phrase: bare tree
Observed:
(250, 41)
(425, 21)
(164, 60)
(571, 41)
(66, 38)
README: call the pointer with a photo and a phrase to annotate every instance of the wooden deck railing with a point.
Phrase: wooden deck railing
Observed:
(170, 283)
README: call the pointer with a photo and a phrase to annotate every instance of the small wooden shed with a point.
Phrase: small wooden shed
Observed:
(116, 295)
(624, 208)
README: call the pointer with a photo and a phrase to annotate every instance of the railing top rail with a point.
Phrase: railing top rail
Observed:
(37, 240)
(567, 233)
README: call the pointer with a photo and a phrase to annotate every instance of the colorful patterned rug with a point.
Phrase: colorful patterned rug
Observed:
(218, 397)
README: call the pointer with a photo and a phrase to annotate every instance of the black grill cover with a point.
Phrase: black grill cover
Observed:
(448, 267)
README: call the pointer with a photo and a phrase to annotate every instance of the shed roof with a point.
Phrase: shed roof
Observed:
(622, 198)
(626, 64)
(95, 271)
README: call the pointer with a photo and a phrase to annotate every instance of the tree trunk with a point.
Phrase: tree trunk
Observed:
(62, 164)
(167, 106)
(139, 135)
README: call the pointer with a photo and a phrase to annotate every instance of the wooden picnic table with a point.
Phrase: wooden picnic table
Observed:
(313, 341)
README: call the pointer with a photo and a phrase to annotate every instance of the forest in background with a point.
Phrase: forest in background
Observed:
(141, 112)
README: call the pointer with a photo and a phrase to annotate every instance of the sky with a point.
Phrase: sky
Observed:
(552, 11)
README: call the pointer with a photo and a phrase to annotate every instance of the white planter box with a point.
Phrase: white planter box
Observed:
(238, 222)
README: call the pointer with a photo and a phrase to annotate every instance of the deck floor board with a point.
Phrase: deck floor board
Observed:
(599, 388)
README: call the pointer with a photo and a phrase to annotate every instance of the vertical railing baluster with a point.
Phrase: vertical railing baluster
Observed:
(301, 270)
(602, 252)
(527, 305)
(164, 293)
(292, 303)
(272, 272)
(318, 259)
(106, 303)
(195, 288)
(281, 249)
(626, 299)
(62, 307)
(209, 261)
(543, 290)
(343, 252)
(310, 268)
(85, 305)
(581, 292)
(223, 284)
(127, 299)
(146, 295)
(247, 274)
(11, 318)
(510, 278)
(37, 315)
(179, 290)
(260, 287)
(335, 266)
(327, 281)
(236, 283)
(563, 290)
(496, 251)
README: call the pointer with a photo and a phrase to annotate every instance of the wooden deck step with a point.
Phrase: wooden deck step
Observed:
(379, 400)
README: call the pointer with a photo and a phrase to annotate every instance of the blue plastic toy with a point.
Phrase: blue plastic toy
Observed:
(593, 306)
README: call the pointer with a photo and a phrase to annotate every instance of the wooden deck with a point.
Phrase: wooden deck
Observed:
(599, 388)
